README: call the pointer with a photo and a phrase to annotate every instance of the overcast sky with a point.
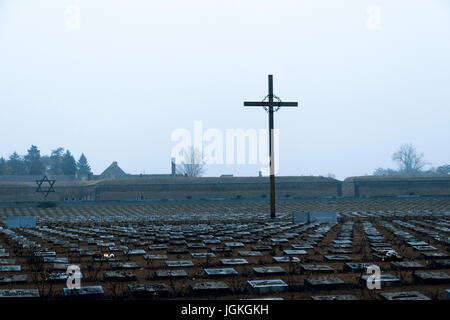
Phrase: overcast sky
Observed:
(117, 85)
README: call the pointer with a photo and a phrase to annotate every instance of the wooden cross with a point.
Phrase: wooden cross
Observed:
(269, 107)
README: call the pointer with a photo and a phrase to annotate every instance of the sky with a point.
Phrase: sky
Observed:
(117, 83)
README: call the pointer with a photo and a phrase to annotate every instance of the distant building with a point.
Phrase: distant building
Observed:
(113, 172)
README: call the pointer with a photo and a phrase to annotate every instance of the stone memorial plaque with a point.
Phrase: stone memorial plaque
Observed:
(295, 252)
(266, 286)
(13, 279)
(91, 292)
(155, 257)
(124, 265)
(336, 297)
(8, 268)
(220, 272)
(19, 294)
(146, 291)
(406, 265)
(431, 278)
(289, 259)
(324, 284)
(316, 268)
(410, 295)
(233, 261)
(334, 258)
(250, 253)
(269, 271)
(180, 264)
(209, 288)
(119, 276)
(203, 255)
(171, 274)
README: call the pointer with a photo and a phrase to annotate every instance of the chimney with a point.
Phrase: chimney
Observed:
(173, 167)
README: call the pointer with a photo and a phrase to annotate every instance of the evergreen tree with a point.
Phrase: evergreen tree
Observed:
(33, 161)
(56, 161)
(83, 166)
(3, 166)
(68, 165)
(16, 164)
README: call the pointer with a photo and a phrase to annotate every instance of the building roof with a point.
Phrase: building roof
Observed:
(113, 171)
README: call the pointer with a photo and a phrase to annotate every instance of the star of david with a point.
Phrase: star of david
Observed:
(44, 181)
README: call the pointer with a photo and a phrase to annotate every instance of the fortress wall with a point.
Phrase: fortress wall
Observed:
(396, 185)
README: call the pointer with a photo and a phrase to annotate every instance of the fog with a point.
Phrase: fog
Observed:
(119, 83)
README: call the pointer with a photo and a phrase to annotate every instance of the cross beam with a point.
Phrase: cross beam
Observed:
(270, 104)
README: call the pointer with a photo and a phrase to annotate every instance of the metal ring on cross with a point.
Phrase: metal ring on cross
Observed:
(278, 103)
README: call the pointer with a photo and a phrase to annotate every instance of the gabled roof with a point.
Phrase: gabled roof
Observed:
(113, 171)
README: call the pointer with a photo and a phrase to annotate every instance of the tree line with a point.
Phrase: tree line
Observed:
(411, 162)
(59, 162)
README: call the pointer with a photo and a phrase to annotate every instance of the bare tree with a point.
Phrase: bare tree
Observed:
(192, 163)
(409, 160)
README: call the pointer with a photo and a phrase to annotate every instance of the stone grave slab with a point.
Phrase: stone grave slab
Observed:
(336, 297)
(386, 280)
(431, 278)
(409, 295)
(337, 258)
(339, 251)
(45, 254)
(146, 291)
(434, 255)
(19, 294)
(269, 271)
(22, 278)
(220, 272)
(7, 261)
(302, 246)
(179, 264)
(324, 283)
(209, 288)
(233, 262)
(441, 264)
(119, 276)
(203, 255)
(134, 252)
(424, 248)
(171, 274)
(55, 260)
(177, 251)
(250, 253)
(220, 249)
(295, 252)
(90, 292)
(357, 267)
(316, 268)
(266, 286)
(406, 265)
(279, 240)
(155, 257)
(157, 247)
(124, 265)
(196, 246)
(234, 244)
(261, 248)
(10, 268)
(289, 259)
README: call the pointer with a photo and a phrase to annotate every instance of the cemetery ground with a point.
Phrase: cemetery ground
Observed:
(229, 251)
